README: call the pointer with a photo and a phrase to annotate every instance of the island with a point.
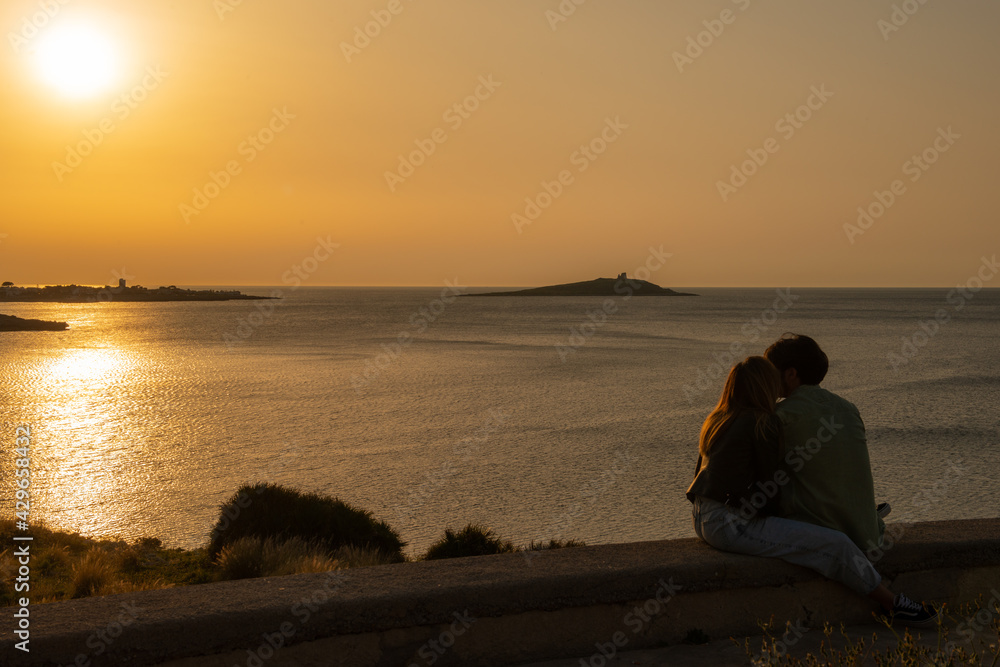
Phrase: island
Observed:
(620, 286)
(11, 323)
(123, 292)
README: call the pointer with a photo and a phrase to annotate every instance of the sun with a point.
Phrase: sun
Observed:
(77, 59)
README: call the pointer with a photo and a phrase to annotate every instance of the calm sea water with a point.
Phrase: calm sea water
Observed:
(145, 417)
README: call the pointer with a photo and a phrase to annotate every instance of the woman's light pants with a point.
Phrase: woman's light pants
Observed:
(827, 551)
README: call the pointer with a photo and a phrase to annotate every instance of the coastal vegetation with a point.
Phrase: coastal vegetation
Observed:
(263, 530)
(67, 565)
(276, 513)
(477, 540)
(319, 533)
(472, 540)
(966, 635)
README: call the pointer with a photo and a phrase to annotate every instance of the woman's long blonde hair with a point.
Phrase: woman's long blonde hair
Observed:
(753, 384)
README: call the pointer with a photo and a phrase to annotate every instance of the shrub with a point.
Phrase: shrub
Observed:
(270, 511)
(472, 540)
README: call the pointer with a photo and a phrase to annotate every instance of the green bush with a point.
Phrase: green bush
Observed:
(472, 540)
(269, 511)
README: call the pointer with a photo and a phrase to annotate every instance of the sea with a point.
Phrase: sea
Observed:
(540, 418)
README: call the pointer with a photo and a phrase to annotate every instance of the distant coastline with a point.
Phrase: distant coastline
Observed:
(12, 323)
(620, 286)
(85, 294)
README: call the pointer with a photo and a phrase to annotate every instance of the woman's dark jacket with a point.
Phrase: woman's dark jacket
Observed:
(742, 467)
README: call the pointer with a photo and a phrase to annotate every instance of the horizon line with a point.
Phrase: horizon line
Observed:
(674, 287)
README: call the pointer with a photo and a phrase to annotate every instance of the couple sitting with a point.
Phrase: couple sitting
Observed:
(792, 480)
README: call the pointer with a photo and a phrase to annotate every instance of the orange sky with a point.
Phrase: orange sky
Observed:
(533, 87)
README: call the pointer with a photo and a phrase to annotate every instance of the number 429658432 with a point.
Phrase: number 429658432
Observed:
(23, 472)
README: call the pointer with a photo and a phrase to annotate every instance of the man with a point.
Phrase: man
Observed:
(826, 448)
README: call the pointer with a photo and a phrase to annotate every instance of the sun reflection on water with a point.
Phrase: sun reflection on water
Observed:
(88, 367)
(82, 391)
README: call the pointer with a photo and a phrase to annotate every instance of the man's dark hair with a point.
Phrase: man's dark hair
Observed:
(801, 353)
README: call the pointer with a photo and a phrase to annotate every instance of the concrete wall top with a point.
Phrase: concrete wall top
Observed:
(213, 618)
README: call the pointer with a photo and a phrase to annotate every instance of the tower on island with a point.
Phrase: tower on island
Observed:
(121, 283)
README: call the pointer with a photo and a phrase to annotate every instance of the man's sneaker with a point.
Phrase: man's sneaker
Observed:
(908, 612)
(883, 509)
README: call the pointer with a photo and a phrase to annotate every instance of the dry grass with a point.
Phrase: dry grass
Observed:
(970, 636)
(92, 574)
(352, 556)
(250, 557)
(67, 565)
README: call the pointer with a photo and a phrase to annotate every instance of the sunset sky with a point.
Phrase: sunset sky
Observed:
(167, 93)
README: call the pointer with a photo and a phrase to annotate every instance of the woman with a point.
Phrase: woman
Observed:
(737, 487)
